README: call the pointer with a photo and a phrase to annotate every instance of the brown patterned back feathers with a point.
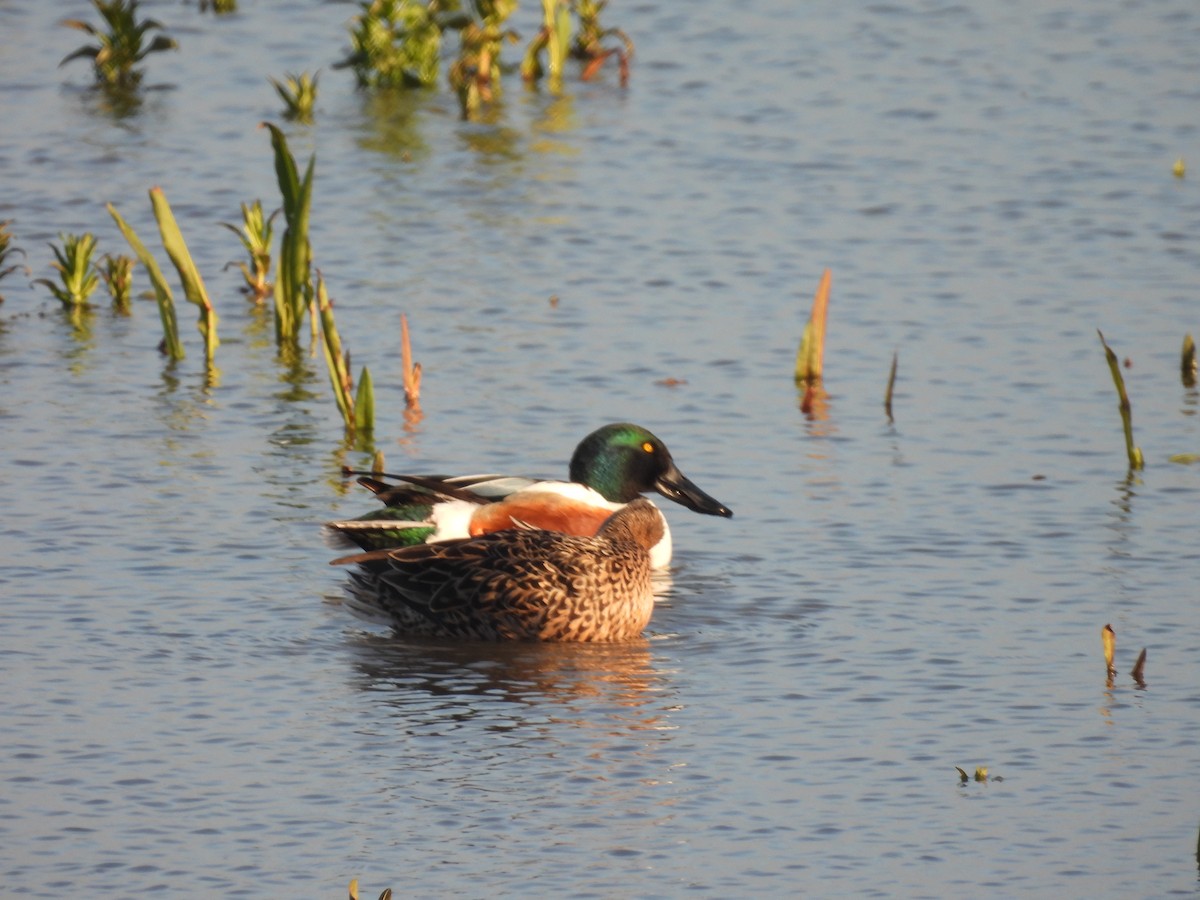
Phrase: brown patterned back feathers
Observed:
(520, 584)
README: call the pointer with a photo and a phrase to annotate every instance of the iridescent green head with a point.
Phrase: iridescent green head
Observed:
(623, 461)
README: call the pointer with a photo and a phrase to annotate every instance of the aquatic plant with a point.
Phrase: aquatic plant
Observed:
(811, 354)
(411, 373)
(1136, 460)
(1108, 640)
(220, 7)
(1187, 359)
(189, 275)
(75, 270)
(6, 251)
(255, 234)
(122, 47)
(299, 93)
(397, 43)
(357, 407)
(475, 75)
(386, 895)
(588, 45)
(553, 39)
(117, 274)
(171, 345)
(891, 386)
(293, 282)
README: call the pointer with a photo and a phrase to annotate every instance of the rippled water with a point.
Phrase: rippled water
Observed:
(190, 709)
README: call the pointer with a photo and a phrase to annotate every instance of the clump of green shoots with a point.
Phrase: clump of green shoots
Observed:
(117, 274)
(220, 7)
(299, 93)
(588, 45)
(397, 43)
(7, 250)
(122, 47)
(293, 282)
(357, 407)
(475, 75)
(76, 272)
(1136, 460)
(255, 234)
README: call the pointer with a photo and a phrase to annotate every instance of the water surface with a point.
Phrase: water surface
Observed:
(193, 712)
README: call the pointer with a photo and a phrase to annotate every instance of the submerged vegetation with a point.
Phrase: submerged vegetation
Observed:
(118, 50)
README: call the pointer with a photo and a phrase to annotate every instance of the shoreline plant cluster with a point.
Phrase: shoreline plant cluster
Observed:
(395, 44)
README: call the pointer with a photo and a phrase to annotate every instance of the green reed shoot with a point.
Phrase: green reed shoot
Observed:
(397, 43)
(255, 234)
(554, 39)
(117, 274)
(220, 7)
(1187, 360)
(171, 344)
(357, 407)
(293, 283)
(7, 251)
(1136, 460)
(299, 93)
(117, 51)
(77, 274)
(588, 45)
(189, 275)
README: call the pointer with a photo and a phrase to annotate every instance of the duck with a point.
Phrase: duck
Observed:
(612, 466)
(518, 584)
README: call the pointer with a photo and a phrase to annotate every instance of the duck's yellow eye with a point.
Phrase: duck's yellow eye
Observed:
(648, 447)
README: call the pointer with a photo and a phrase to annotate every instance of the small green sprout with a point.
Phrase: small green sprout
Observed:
(117, 273)
(299, 93)
(76, 272)
(255, 234)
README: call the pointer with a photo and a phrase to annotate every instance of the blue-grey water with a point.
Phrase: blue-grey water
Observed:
(190, 711)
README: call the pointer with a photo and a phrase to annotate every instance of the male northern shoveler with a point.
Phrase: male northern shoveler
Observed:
(519, 584)
(611, 466)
